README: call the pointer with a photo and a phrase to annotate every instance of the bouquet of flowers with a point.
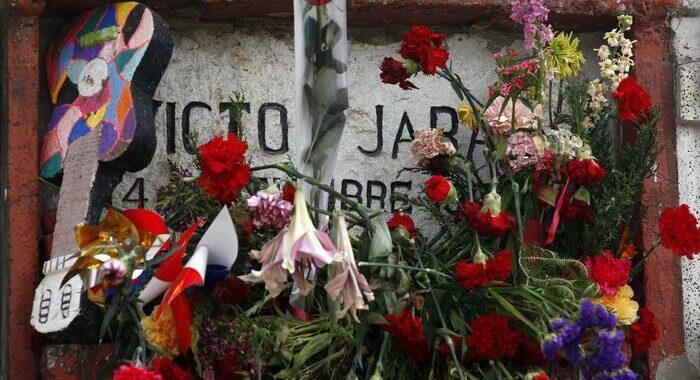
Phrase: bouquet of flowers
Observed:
(528, 276)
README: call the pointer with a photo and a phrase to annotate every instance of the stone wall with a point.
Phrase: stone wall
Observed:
(687, 49)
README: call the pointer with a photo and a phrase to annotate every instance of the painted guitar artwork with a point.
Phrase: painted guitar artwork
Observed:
(102, 73)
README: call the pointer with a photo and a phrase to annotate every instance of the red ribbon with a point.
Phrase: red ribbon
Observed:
(556, 217)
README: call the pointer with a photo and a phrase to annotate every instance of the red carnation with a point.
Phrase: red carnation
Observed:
(224, 171)
(407, 331)
(492, 338)
(633, 102)
(288, 193)
(585, 171)
(231, 291)
(541, 376)
(608, 272)
(393, 72)
(169, 370)
(437, 188)
(472, 275)
(643, 332)
(486, 224)
(529, 353)
(402, 220)
(132, 372)
(423, 46)
(679, 231)
(577, 210)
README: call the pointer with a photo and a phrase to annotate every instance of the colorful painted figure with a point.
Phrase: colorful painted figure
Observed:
(96, 78)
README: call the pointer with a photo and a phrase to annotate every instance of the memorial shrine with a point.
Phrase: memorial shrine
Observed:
(349, 189)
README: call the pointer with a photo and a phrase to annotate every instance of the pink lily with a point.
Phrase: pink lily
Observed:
(295, 249)
(347, 285)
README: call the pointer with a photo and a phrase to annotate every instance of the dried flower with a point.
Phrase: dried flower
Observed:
(503, 123)
(269, 210)
(393, 72)
(429, 143)
(346, 284)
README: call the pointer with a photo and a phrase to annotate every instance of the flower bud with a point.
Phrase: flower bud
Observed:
(492, 202)
(113, 272)
(480, 257)
(380, 244)
(583, 195)
(411, 67)
(466, 116)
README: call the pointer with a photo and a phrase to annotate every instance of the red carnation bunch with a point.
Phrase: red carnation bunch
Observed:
(608, 272)
(492, 338)
(472, 275)
(438, 188)
(529, 353)
(133, 372)
(485, 223)
(633, 102)
(231, 291)
(423, 46)
(224, 170)
(585, 171)
(407, 331)
(577, 210)
(679, 231)
(643, 332)
(404, 221)
(541, 376)
(393, 72)
(169, 370)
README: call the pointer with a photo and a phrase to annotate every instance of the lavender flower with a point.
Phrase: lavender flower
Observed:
(591, 343)
(269, 210)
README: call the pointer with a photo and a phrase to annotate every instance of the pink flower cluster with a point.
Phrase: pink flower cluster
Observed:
(513, 75)
(269, 210)
(532, 14)
(522, 151)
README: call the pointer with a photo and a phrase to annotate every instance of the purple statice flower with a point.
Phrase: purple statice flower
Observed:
(590, 342)
(532, 14)
(269, 210)
(113, 272)
(522, 151)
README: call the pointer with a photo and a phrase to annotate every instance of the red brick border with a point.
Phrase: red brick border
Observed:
(23, 87)
(654, 62)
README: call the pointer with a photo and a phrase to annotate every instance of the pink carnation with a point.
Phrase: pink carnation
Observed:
(501, 122)
(522, 151)
(269, 210)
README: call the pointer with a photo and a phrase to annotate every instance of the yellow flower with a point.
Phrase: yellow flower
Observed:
(622, 305)
(564, 58)
(161, 333)
(466, 116)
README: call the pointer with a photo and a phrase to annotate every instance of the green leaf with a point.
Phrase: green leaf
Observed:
(376, 318)
(315, 345)
(331, 33)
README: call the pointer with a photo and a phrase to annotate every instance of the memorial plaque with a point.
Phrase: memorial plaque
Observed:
(213, 62)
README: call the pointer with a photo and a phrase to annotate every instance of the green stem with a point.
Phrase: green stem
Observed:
(639, 265)
(406, 267)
